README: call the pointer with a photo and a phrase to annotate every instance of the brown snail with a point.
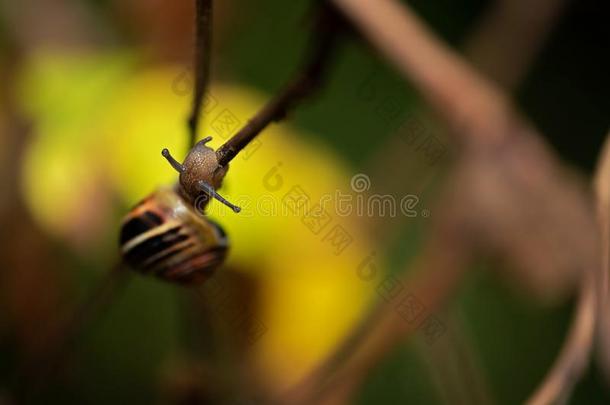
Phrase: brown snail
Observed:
(167, 235)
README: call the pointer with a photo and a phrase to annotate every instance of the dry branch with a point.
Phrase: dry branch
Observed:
(203, 56)
(591, 309)
(305, 82)
(516, 182)
(574, 356)
(490, 50)
(602, 188)
(484, 46)
(509, 196)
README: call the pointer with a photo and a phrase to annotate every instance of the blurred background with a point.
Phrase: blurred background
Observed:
(92, 90)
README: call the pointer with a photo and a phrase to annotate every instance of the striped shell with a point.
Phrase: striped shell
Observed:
(165, 237)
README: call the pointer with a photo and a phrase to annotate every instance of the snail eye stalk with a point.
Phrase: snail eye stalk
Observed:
(204, 140)
(209, 190)
(175, 164)
(179, 167)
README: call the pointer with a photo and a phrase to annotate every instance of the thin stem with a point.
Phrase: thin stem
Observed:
(305, 82)
(480, 115)
(203, 45)
(179, 167)
(573, 359)
(602, 189)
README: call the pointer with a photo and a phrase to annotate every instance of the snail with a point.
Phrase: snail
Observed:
(167, 233)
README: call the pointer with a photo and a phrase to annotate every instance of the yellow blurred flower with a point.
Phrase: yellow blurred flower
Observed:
(310, 292)
(63, 181)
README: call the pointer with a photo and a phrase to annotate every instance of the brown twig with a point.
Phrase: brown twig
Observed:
(502, 46)
(305, 82)
(574, 356)
(203, 45)
(590, 310)
(489, 48)
(490, 131)
(496, 137)
(602, 188)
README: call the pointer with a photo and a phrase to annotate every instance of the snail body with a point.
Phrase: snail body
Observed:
(167, 234)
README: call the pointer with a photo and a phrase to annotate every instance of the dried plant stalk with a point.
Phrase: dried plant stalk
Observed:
(203, 60)
(591, 309)
(486, 48)
(516, 183)
(303, 84)
(602, 188)
(574, 356)
(503, 168)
